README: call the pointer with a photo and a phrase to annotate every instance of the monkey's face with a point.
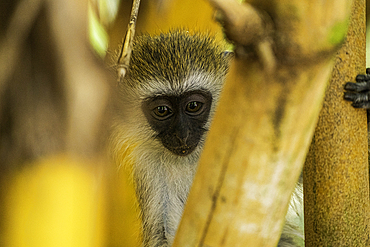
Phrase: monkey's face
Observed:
(179, 120)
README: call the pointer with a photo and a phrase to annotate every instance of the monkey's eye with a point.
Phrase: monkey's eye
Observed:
(193, 107)
(162, 112)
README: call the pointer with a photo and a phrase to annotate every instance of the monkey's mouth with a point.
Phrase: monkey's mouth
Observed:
(182, 151)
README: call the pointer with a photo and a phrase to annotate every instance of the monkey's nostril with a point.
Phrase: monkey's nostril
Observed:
(183, 151)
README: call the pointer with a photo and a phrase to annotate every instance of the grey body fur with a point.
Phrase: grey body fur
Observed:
(178, 62)
(293, 231)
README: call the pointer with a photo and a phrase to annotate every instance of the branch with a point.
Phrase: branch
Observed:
(336, 172)
(251, 162)
(245, 26)
(124, 57)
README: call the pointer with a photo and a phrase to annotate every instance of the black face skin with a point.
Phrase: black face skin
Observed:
(179, 120)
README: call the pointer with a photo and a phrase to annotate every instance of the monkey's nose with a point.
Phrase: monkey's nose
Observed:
(182, 137)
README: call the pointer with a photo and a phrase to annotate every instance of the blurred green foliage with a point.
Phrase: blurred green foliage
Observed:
(101, 14)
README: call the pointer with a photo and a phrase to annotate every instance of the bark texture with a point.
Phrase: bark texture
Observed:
(336, 182)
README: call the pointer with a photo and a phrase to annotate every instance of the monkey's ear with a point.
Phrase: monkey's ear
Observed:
(228, 55)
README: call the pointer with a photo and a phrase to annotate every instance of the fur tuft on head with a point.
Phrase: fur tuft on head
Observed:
(174, 61)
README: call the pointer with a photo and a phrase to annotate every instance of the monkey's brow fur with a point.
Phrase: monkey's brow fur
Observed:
(171, 56)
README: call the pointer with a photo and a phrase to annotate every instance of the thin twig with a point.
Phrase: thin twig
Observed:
(124, 57)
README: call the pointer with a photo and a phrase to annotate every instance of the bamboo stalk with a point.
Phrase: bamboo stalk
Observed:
(261, 132)
(336, 174)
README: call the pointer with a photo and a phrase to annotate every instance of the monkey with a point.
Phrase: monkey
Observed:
(166, 103)
(169, 96)
(359, 93)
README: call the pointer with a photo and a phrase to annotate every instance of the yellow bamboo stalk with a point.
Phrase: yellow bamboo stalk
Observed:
(262, 129)
(336, 173)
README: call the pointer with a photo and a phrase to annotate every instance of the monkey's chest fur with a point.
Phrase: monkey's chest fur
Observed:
(162, 194)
